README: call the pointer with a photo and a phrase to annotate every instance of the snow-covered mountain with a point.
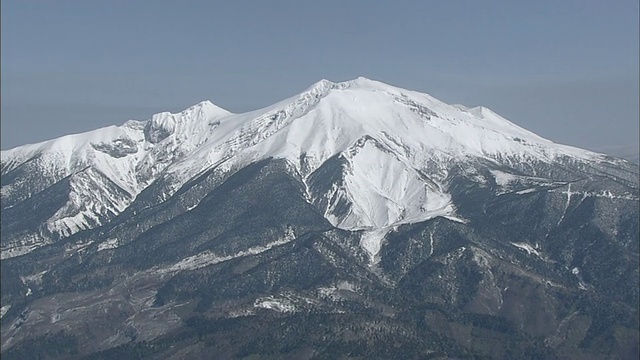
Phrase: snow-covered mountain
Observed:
(349, 212)
(629, 152)
(394, 146)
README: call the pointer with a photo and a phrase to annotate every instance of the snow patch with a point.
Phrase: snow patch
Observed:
(566, 206)
(109, 244)
(430, 243)
(371, 242)
(526, 191)
(345, 285)
(582, 286)
(601, 194)
(208, 258)
(502, 178)
(24, 246)
(3, 310)
(35, 278)
(333, 292)
(275, 304)
(528, 248)
(240, 313)
(455, 218)
(78, 247)
(330, 292)
(191, 207)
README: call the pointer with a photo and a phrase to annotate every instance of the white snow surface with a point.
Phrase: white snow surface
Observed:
(277, 304)
(371, 241)
(526, 247)
(108, 245)
(3, 310)
(207, 258)
(397, 144)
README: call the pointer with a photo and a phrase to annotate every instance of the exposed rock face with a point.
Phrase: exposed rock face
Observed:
(117, 148)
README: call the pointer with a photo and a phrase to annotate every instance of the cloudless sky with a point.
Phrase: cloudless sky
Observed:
(567, 70)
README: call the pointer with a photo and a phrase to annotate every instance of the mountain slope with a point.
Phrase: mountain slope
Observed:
(419, 132)
(350, 212)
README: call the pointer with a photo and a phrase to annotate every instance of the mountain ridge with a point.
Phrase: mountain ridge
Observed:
(319, 123)
(350, 212)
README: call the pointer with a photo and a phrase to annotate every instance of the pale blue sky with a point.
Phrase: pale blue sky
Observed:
(567, 70)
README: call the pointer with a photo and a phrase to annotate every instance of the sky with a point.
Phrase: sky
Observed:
(566, 70)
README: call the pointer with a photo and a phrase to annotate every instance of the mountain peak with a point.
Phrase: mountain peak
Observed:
(366, 82)
(208, 107)
(325, 85)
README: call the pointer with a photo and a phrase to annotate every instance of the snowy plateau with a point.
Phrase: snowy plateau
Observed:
(442, 219)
